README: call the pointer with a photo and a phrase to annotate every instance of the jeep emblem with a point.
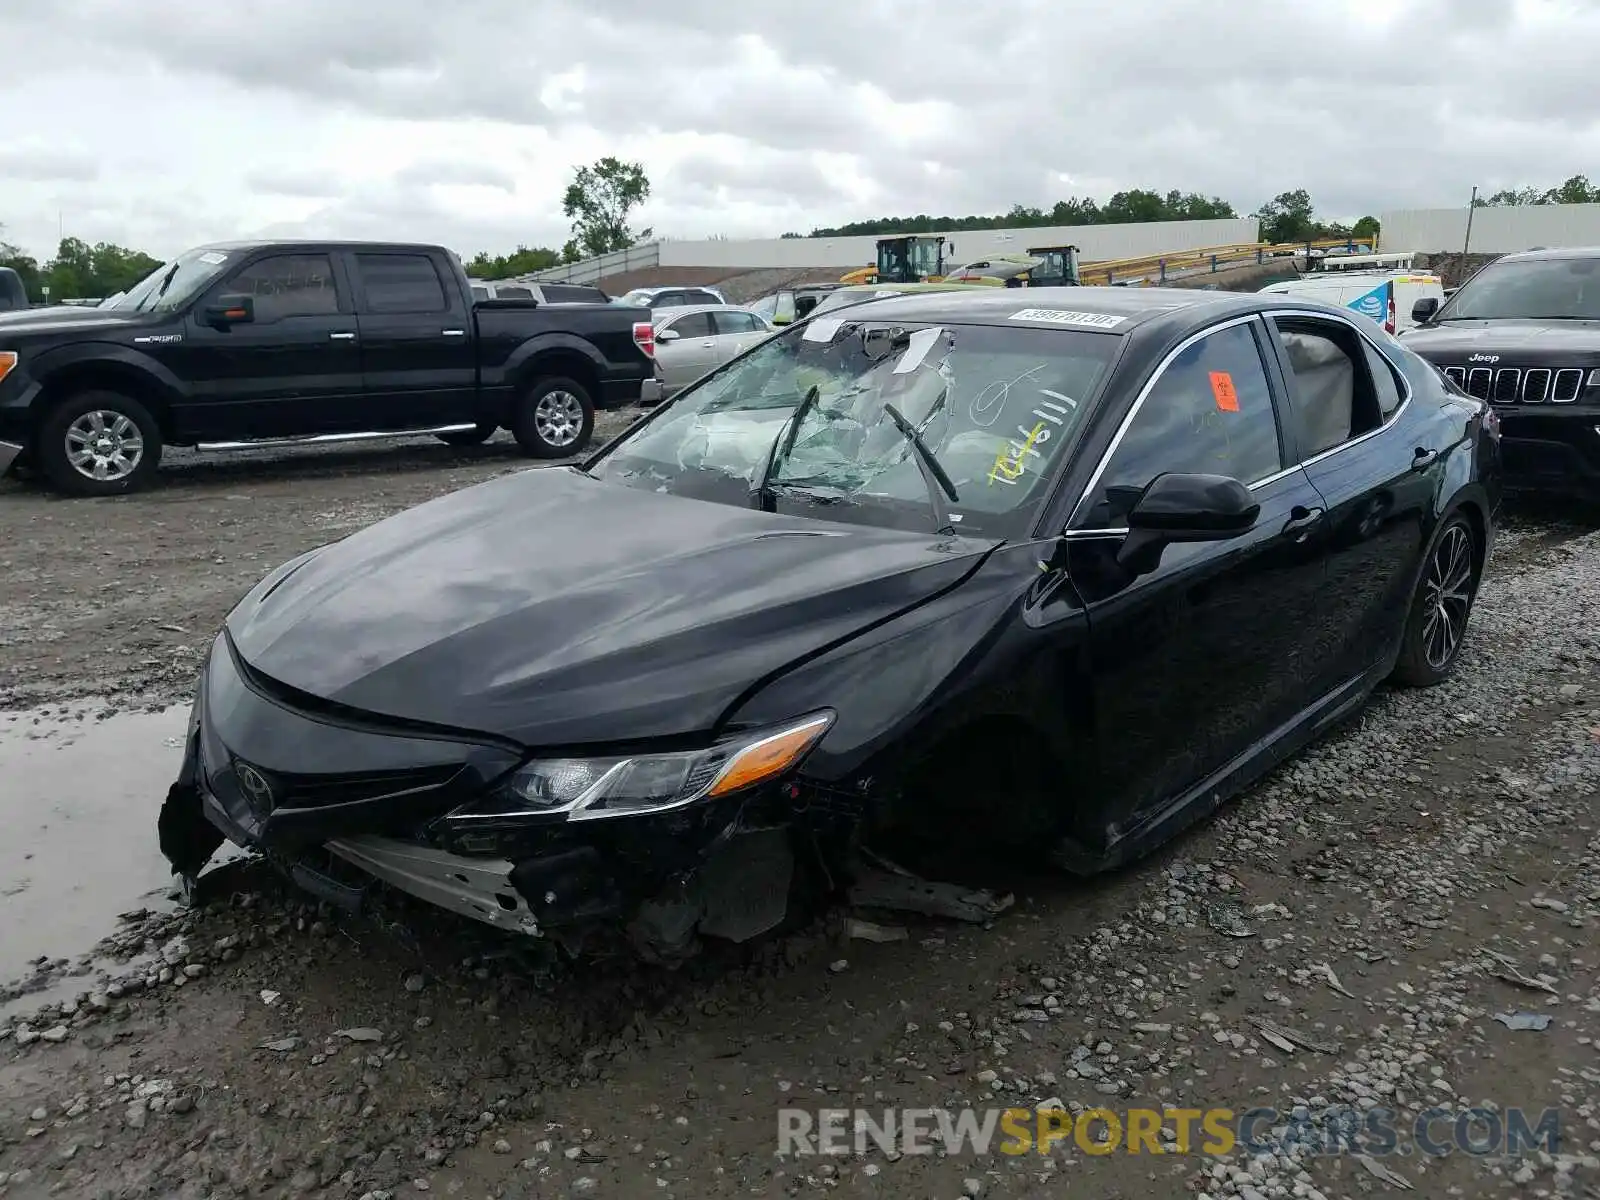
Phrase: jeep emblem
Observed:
(1484, 358)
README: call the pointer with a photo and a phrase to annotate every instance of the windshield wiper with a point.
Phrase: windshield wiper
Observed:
(761, 497)
(932, 473)
(166, 282)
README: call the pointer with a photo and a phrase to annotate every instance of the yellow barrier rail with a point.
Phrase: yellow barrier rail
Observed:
(1215, 258)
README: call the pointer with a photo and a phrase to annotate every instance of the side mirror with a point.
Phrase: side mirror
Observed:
(667, 335)
(1424, 309)
(1185, 508)
(229, 309)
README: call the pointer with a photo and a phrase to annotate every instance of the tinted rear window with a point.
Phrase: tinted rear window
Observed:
(401, 283)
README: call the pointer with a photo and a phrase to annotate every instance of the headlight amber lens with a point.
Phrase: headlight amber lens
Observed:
(586, 788)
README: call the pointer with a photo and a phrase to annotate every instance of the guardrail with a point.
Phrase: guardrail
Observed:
(591, 270)
(1159, 268)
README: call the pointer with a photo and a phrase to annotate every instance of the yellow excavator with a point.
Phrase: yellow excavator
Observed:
(905, 260)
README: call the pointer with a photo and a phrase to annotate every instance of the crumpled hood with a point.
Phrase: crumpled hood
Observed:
(554, 609)
(1451, 344)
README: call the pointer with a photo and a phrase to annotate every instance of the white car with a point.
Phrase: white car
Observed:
(544, 293)
(690, 342)
(672, 297)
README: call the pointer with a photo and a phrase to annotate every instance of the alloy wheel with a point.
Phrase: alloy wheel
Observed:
(104, 445)
(1447, 592)
(559, 418)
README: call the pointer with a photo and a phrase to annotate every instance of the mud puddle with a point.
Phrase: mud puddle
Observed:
(79, 795)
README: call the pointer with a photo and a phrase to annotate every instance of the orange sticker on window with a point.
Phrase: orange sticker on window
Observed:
(1222, 389)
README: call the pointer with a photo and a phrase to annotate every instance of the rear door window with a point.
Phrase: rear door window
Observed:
(734, 322)
(401, 283)
(693, 325)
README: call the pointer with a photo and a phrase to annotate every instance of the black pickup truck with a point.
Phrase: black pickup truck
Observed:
(243, 344)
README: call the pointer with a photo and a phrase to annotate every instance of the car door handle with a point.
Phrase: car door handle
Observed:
(343, 337)
(709, 344)
(453, 332)
(1423, 458)
(1301, 521)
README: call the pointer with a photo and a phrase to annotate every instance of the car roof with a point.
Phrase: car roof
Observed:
(356, 244)
(1552, 253)
(683, 310)
(993, 306)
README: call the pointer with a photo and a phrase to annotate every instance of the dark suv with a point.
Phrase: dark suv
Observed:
(1524, 334)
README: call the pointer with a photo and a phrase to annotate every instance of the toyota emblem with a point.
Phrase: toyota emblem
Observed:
(257, 791)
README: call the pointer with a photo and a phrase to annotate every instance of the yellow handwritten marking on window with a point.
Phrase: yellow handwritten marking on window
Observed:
(1008, 464)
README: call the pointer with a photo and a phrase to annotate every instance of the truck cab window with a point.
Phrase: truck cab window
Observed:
(401, 283)
(287, 285)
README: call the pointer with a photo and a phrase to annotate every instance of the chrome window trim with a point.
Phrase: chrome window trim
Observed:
(1138, 403)
(1408, 393)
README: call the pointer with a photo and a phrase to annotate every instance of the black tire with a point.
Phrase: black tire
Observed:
(74, 419)
(1441, 608)
(476, 436)
(538, 426)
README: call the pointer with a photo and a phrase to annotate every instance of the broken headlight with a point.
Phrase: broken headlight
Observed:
(588, 788)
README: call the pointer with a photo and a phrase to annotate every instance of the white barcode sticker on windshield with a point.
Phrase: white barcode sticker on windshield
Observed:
(824, 330)
(1060, 316)
(917, 347)
(212, 257)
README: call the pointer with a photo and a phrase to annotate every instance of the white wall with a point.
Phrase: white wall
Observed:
(1494, 230)
(1096, 243)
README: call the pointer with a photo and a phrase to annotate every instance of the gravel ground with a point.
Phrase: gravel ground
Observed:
(1380, 901)
(119, 598)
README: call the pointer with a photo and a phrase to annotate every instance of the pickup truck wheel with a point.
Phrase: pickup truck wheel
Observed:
(99, 444)
(468, 437)
(554, 418)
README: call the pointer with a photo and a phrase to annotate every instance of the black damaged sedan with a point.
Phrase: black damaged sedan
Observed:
(1059, 570)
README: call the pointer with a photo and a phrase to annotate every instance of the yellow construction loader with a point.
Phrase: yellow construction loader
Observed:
(904, 260)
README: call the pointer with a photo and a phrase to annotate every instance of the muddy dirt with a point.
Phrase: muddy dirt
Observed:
(1381, 900)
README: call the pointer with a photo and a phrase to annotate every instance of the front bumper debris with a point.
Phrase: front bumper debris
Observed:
(720, 867)
(724, 867)
(479, 888)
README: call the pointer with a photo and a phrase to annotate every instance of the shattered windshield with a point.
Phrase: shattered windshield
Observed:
(1552, 289)
(804, 421)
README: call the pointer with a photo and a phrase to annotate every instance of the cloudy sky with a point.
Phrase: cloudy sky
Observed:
(160, 123)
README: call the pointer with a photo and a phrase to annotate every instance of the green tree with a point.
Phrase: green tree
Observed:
(1134, 205)
(1366, 227)
(80, 270)
(23, 264)
(598, 200)
(116, 269)
(1287, 217)
(1577, 190)
(524, 260)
